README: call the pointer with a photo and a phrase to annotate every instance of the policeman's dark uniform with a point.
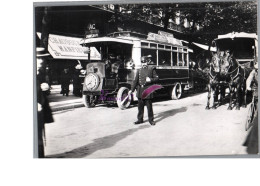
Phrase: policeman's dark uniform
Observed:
(140, 84)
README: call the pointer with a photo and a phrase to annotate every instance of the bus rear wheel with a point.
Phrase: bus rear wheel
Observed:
(88, 101)
(123, 101)
(176, 91)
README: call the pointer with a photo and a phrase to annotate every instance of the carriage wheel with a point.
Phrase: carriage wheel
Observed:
(176, 91)
(88, 101)
(121, 95)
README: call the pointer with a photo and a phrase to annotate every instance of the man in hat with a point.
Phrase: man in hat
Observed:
(44, 110)
(77, 86)
(149, 60)
(144, 78)
(65, 81)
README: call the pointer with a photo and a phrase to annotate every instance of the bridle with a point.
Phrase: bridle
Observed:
(229, 73)
(213, 68)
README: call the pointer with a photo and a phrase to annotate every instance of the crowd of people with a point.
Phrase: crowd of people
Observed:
(75, 77)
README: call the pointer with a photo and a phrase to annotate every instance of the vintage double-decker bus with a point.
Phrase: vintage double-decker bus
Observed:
(109, 78)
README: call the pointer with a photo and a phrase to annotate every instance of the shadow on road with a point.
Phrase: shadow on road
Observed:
(98, 144)
(163, 115)
(192, 94)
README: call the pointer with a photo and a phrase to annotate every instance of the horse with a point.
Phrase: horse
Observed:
(236, 76)
(215, 78)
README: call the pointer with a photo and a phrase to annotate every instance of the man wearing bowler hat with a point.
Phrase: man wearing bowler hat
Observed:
(144, 78)
(44, 110)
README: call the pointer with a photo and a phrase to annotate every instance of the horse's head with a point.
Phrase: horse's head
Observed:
(215, 62)
(229, 63)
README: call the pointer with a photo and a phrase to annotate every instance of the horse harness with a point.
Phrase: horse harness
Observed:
(238, 68)
(212, 77)
(233, 78)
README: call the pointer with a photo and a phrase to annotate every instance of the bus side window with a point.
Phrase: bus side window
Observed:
(174, 59)
(164, 58)
(146, 52)
(180, 63)
(185, 59)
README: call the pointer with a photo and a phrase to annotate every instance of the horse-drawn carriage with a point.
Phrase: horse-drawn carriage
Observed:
(230, 66)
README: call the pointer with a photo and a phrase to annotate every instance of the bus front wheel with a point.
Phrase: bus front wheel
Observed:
(88, 101)
(123, 100)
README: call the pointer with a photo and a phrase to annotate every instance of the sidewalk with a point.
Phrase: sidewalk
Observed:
(59, 102)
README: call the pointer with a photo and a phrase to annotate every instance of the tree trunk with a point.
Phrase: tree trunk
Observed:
(45, 28)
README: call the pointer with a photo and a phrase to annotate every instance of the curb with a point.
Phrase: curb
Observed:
(67, 107)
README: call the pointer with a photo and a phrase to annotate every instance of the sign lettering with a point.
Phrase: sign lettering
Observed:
(63, 47)
(92, 26)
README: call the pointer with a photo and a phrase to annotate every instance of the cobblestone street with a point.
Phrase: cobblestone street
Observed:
(183, 128)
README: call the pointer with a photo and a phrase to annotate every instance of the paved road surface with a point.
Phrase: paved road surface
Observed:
(183, 128)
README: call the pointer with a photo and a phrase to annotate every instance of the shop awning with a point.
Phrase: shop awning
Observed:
(63, 47)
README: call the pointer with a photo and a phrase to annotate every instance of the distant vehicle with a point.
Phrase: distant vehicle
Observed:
(244, 46)
(109, 79)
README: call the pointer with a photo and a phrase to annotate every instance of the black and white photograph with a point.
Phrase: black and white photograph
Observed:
(145, 79)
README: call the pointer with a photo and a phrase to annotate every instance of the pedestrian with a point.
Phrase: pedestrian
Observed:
(252, 80)
(44, 111)
(48, 79)
(251, 141)
(144, 78)
(77, 86)
(65, 81)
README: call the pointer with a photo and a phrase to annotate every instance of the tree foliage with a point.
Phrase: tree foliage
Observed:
(212, 18)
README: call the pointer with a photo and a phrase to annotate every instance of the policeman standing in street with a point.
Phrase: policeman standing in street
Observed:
(144, 78)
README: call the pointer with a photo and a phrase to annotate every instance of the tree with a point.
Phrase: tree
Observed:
(212, 18)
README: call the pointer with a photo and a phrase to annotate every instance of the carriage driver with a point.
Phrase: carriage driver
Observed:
(144, 78)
